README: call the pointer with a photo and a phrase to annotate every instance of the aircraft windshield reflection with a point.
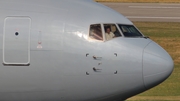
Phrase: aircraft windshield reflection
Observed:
(111, 31)
(129, 31)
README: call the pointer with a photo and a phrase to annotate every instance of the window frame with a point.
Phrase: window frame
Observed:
(89, 38)
(130, 25)
(117, 27)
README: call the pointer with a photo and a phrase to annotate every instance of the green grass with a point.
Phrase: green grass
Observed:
(168, 36)
(171, 87)
(156, 29)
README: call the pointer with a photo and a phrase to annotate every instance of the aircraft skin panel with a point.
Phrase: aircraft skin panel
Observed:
(65, 65)
(16, 41)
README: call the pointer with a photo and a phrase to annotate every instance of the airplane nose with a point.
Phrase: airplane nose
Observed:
(157, 65)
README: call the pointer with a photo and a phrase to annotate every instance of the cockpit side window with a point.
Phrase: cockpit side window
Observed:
(96, 32)
(111, 31)
(129, 31)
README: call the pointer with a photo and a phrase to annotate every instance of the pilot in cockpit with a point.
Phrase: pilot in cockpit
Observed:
(109, 34)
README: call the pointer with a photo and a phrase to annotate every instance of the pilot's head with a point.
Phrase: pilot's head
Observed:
(108, 30)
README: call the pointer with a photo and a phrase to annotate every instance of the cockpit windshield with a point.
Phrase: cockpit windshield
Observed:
(129, 31)
(105, 32)
(111, 31)
(96, 32)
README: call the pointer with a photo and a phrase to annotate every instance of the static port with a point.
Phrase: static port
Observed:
(16, 33)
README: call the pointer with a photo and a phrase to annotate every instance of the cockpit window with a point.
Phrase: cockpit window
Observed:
(96, 32)
(129, 31)
(111, 31)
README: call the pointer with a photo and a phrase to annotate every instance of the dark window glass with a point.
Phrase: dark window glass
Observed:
(130, 31)
(96, 32)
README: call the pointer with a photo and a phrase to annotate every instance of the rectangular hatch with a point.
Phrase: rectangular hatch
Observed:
(16, 41)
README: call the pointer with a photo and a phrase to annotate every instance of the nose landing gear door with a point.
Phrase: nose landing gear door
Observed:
(16, 41)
